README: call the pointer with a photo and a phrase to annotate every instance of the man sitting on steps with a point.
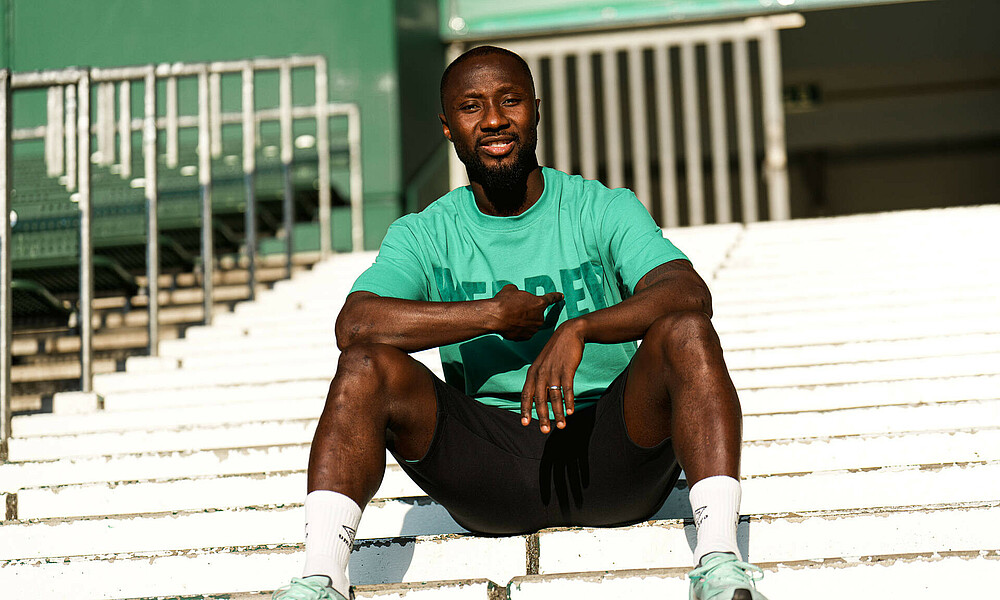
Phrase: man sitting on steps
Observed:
(535, 285)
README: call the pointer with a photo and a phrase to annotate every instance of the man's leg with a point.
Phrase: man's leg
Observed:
(379, 395)
(678, 386)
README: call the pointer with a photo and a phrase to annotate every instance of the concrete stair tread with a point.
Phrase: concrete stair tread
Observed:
(766, 457)
(969, 415)
(763, 401)
(915, 576)
(959, 528)
(913, 484)
(235, 514)
(321, 348)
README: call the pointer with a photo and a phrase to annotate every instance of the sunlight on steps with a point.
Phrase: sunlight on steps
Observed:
(867, 354)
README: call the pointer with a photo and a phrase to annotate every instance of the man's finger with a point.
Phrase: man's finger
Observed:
(568, 399)
(555, 392)
(527, 396)
(551, 298)
(542, 408)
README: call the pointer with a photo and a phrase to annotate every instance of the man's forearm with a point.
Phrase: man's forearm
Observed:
(664, 290)
(410, 325)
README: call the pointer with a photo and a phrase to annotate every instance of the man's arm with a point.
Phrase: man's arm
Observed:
(671, 287)
(413, 325)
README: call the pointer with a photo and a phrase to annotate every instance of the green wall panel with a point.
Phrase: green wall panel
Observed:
(358, 39)
(472, 19)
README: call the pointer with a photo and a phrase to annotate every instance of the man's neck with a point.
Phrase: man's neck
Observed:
(490, 204)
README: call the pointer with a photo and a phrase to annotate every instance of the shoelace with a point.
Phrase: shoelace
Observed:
(728, 573)
(300, 589)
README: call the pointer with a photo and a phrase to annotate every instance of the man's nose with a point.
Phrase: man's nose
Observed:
(494, 117)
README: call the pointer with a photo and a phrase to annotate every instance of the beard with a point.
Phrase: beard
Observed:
(505, 185)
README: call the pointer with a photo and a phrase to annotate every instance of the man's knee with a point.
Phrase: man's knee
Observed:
(688, 330)
(366, 368)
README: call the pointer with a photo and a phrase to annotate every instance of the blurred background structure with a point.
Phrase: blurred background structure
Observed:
(166, 161)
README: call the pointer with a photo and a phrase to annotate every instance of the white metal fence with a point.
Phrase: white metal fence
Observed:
(611, 102)
(72, 124)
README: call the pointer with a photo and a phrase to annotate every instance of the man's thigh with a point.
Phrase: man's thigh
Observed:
(498, 477)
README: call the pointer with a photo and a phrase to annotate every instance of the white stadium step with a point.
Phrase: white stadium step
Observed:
(653, 545)
(871, 461)
(929, 576)
(807, 423)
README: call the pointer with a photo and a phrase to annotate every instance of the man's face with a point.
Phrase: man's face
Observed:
(491, 116)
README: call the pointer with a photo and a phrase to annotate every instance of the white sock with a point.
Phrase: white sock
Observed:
(331, 522)
(715, 502)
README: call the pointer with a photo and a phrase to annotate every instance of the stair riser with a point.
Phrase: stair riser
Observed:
(762, 494)
(805, 425)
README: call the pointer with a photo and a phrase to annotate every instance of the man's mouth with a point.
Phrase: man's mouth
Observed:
(497, 147)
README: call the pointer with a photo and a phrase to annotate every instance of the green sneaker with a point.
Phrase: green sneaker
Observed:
(314, 587)
(722, 577)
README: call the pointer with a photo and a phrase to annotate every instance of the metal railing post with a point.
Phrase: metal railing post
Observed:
(6, 310)
(356, 181)
(71, 138)
(249, 177)
(86, 308)
(287, 155)
(323, 160)
(125, 129)
(744, 131)
(775, 155)
(152, 203)
(205, 183)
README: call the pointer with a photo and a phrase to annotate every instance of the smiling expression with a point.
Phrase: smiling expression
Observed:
(491, 116)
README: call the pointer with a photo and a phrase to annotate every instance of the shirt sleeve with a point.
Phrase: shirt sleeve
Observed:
(635, 242)
(397, 271)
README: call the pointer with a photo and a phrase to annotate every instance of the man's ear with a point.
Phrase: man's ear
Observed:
(538, 113)
(444, 126)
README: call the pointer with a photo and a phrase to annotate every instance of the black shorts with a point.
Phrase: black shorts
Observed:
(498, 477)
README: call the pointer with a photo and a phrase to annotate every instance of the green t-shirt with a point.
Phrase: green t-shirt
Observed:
(589, 242)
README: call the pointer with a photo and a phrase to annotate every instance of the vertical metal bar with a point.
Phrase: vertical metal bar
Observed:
(86, 247)
(612, 120)
(249, 177)
(535, 66)
(109, 119)
(669, 204)
(560, 114)
(125, 128)
(205, 183)
(323, 162)
(152, 217)
(105, 143)
(717, 121)
(71, 138)
(287, 154)
(692, 136)
(357, 189)
(54, 142)
(775, 157)
(6, 297)
(172, 128)
(744, 131)
(215, 112)
(641, 185)
(586, 117)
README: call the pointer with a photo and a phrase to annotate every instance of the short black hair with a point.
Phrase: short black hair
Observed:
(476, 53)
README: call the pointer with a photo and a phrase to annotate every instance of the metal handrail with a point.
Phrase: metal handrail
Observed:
(74, 153)
(658, 42)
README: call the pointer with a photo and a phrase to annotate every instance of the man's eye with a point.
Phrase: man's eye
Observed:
(511, 101)
(467, 107)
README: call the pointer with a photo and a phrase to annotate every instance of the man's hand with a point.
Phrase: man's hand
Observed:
(555, 366)
(521, 314)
